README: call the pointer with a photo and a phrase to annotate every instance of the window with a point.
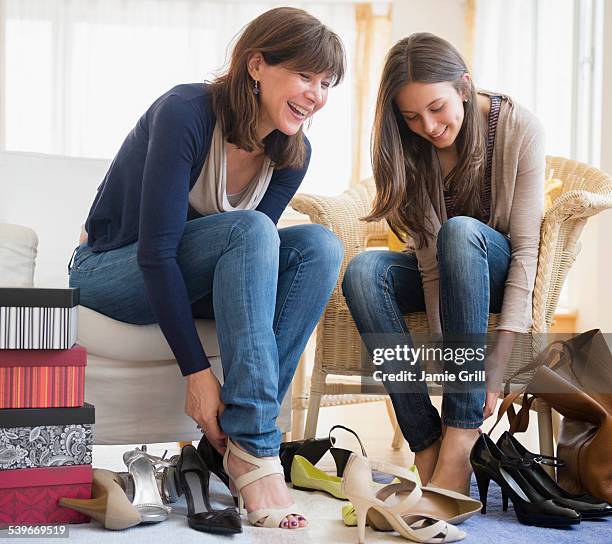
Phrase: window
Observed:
(79, 74)
(544, 53)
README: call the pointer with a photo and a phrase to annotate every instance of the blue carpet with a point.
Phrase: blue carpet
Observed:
(499, 527)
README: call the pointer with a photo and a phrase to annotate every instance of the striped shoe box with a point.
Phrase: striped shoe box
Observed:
(33, 318)
(42, 378)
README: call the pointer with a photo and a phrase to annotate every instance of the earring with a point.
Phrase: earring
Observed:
(256, 88)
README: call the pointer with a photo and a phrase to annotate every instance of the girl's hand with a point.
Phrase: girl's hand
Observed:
(495, 366)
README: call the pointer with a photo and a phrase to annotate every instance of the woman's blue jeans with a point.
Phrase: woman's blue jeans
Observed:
(382, 286)
(266, 289)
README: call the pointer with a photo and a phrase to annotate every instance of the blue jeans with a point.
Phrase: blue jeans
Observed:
(381, 286)
(266, 289)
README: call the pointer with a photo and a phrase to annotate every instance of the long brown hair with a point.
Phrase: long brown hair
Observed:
(287, 36)
(405, 166)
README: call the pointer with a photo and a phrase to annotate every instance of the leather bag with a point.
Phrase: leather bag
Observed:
(575, 378)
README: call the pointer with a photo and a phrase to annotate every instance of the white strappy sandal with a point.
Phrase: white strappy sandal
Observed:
(264, 517)
(399, 507)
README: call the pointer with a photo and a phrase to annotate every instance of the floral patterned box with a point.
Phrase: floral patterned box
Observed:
(50, 437)
(29, 496)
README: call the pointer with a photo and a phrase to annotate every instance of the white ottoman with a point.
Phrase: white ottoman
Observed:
(135, 383)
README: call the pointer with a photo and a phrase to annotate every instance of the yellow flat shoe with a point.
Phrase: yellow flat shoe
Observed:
(306, 477)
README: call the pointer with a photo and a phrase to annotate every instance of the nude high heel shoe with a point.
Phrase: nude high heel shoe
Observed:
(397, 503)
(264, 517)
(109, 504)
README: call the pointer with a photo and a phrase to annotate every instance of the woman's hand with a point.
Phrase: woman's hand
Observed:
(495, 366)
(203, 404)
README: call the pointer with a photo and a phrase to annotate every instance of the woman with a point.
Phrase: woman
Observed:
(160, 246)
(462, 172)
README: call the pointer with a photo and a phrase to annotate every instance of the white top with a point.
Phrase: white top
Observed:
(209, 194)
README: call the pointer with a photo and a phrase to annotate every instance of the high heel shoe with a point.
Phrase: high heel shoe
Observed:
(264, 517)
(587, 506)
(108, 505)
(147, 500)
(214, 461)
(312, 449)
(194, 477)
(531, 508)
(396, 504)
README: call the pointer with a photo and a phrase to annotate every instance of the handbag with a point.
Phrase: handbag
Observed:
(575, 378)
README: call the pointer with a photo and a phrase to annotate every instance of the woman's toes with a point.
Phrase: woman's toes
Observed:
(302, 521)
(285, 524)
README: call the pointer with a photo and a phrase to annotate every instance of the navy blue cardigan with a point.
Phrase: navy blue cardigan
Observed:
(144, 198)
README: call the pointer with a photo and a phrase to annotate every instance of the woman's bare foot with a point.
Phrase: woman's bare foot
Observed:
(453, 470)
(269, 492)
(426, 460)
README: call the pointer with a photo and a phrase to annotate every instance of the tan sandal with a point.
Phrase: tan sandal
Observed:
(264, 517)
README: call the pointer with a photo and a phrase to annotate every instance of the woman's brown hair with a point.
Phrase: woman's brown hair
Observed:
(405, 166)
(288, 36)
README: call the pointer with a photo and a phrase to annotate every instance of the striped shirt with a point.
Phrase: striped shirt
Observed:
(485, 197)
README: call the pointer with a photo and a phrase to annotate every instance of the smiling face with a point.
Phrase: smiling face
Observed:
(287, 97)
(434, 111)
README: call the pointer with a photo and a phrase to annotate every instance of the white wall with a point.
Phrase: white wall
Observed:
(52, 195)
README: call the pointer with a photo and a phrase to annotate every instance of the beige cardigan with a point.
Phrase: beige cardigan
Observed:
(517, 208)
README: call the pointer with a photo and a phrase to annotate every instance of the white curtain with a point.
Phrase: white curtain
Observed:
(525, 48)
(78, 74)
(543, 53)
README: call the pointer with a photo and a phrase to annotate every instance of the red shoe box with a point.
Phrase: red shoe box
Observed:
(29, 496)
(42, 378)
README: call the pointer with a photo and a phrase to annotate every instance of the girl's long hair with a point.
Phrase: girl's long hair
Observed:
(405, 166)
(288, 36)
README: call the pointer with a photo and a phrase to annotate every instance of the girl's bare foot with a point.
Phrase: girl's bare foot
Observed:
(453, 470)
(269, 492)
(426, 460)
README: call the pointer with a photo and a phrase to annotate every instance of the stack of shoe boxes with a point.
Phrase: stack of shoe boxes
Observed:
(45, 426)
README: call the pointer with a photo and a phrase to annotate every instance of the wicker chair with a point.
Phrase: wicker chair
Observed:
(582, 191)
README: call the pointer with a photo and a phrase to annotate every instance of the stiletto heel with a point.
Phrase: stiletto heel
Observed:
(147, 500)
(341, 457)
(482, 480)
(587, 506)
(531, 508)
(361, 512)
(400, 503)
(314, 448)
(194, 478)
(109, 504)
(504, 500)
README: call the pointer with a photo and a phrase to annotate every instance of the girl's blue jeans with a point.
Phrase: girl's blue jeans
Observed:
(266, 289)
(382, 286)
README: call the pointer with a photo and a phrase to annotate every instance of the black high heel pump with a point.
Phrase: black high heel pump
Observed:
(587, 506)
(531, 508)
(193, 476)
(312, 449)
